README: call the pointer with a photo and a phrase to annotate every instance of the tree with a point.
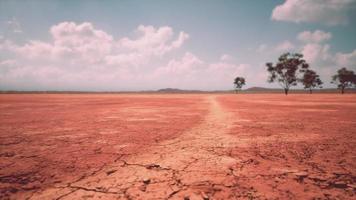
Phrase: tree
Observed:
(286, 70)
(344, 79)
(311, 80)
(239, 82)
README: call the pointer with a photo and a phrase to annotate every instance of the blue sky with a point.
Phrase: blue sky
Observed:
(141, 45)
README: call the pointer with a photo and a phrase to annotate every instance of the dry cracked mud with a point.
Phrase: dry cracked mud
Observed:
(189, 166)
(177, 147)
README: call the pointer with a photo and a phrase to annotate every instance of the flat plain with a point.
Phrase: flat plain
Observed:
(177, 146)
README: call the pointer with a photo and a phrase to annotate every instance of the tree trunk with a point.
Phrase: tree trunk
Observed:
(286, 91)
(310, 91)
(342, 90)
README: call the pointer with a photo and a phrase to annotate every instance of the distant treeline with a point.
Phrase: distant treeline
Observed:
(291, 69)
(252, 90)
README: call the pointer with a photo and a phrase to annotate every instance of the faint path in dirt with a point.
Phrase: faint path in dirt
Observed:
(196, 165)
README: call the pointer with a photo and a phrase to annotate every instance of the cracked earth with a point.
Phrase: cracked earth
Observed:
(184, 167)
(216, 147)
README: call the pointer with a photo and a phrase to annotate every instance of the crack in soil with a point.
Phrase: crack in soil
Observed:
(193, 164)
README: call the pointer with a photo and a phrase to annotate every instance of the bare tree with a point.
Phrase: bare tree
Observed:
(311, 80)
(286, 70)
(344, 79)
(239, 82)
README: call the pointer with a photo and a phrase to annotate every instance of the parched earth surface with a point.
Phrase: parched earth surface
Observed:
(207, 146)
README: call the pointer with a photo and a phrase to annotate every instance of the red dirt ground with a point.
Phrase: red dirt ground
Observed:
(106, 146)
(298, 147)
(48, 139)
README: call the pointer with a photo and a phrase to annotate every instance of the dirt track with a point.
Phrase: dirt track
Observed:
(221, 147)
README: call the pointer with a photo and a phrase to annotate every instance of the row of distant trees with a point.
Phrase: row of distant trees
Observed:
(291, 69)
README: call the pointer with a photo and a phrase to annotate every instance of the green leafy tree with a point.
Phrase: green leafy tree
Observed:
(311, 80)
(344, 79)
(285, 72)
(239, 82)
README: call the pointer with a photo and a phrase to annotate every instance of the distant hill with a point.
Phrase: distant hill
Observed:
(176, 90)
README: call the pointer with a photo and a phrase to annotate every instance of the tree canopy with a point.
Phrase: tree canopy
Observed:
(285, 71)
(239, 82)
(311, 80)
(344, 79)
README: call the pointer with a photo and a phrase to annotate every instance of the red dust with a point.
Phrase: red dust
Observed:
(206, 146)
(49, 139)
(296, 146)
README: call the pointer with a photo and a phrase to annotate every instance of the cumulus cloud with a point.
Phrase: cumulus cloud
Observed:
(315, 37)
(317, 52)
(346, 59)
(321, 59)
(320, 56)
(188, 64)
(6, 45)
(83, 57)
(192, 72)
(285, 46)
(154, 41)
(8, 62)
(80, 54)
(84, 44)
(313, 52)
(226, 71)
(331, 12)
(225, 57)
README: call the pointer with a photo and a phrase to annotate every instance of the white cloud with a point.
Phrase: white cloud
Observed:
(285, 46)
(7, 45)
(83, 57)
(188, 64)
(154, 41)
(316, 52)
(225, 57)
(84, 44)
(70, 34)
(127, 59)
(191, 72)
(346, 59)
(221, 71)
(82, 40)
(80, 54)
(325, 62)
(331, 12)
(315, 37)
(9, 62)
(35, 49)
